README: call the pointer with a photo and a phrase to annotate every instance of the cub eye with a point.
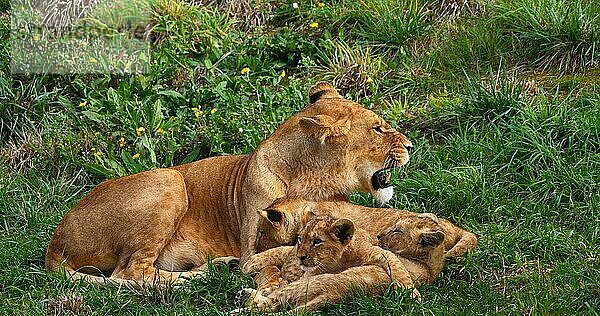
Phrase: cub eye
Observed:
(397, 230)
(299, 240)
(378, 130)
(317, 242)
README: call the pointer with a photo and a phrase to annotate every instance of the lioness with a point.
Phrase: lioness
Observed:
(325, 245)
(151, 226)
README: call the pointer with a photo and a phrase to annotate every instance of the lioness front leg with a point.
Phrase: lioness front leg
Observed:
(271, 257)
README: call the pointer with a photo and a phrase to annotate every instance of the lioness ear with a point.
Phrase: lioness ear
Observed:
(324, 126)
(343, 229)
(274, 216)
(322, 90)
(432, 239)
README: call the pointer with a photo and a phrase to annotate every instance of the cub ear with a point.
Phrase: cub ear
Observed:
(322, 90)
(343, 229)
(431, 216)
(324, 126)
(432, 239)
(274, 216)
(307, 215)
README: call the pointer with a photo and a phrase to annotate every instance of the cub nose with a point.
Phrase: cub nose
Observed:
(302, 258)
(379, 236)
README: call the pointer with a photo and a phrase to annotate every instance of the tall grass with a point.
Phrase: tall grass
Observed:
(559, 33)
(392, 22)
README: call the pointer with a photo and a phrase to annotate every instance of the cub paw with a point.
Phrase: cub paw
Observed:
(244, 297)
(233, 263)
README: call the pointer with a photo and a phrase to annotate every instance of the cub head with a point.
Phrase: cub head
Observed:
(322, 242)
(416, 237)
(336, 146)
(281, 222)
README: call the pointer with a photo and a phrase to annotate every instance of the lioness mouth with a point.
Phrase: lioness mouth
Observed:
(381, 179)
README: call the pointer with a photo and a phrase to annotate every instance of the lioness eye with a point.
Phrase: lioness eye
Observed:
(317, 242)
(397, 230)
(378, 129)
(299, 240)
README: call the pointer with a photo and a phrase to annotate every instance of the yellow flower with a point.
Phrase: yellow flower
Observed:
(122, 142)
(321, 4)
(369, 80)
(140, 131)
(136, 156)
(161, 131)
(314, 25)
(35, 38)
(83, 104)
(98, 154)
(93, 149)
(213, 111)
(92, 60)
(282, 74)
(84, 43)
(197, 112)
(245, 70)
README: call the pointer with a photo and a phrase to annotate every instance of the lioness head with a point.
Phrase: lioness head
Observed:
(415, 237)
(335, 146)
(321, 243)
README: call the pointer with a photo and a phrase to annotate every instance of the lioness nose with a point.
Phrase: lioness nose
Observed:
(301, 258)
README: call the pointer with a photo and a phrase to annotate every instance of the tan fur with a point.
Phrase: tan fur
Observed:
(316, 292)
(457, 242)
(325, 245)
(418, 239)
(160, 225)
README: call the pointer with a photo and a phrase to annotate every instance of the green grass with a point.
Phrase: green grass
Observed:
(501, 100)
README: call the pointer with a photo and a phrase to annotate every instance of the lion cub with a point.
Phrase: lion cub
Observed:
(325, 245)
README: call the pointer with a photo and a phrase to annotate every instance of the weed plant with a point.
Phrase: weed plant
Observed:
(505, 143)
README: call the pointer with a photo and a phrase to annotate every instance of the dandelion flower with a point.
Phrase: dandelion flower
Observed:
(161, 131)
(314, 25)
(213, 111)
(197, 112)
(245, 70)
(320, 4)
(122, 142)
(93, 149)
(140, 131)
(98, 154)
(35, 38)
(136, 156)
(83, 104)
(282, 74)
(369, 80)
(93, 60)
